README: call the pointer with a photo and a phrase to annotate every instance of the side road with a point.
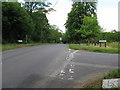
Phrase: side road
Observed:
(53, 66)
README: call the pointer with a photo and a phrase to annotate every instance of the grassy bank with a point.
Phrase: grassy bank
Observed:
(111, 48)
(113, 74)
(97, 83)
(113, 45)
(14, 46)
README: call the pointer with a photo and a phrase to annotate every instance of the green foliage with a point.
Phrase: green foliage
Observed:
(113, 36)
(28, 23)
(75, 20)
(54, 34)
(16, 22)
(82, 25)
(65, 38)
(41, 26)
(34, 6)
(113, 44)
(90, 30)
(113, 74)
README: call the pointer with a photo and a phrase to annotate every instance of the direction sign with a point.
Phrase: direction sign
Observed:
(60, 38)
(102, 40)
(20, 41)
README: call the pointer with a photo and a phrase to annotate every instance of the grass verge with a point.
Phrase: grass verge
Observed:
(94, 82)
(97, 83)
(113, 74)
(14, 46)
(92, 48)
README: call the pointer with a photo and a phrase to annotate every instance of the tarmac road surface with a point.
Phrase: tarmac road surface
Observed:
(52, 66)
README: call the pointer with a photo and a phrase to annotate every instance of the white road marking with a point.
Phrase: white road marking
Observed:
(71, 70)
(94, 65)
(62, 78)
(71, 55)
(71, 78)
(75, 51)
(66, 62)
(61, 74)
(69, 50)
(62, 71)
(72, 65)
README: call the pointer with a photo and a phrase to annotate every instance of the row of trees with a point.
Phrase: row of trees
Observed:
(113, 36)
(28, 22)
(82, 24)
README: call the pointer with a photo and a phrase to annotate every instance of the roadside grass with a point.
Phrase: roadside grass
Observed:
(111, 48)
(14, 46)
(98, 82)
(113, 74)
(113, 45)
(0, 47)
(92, 83)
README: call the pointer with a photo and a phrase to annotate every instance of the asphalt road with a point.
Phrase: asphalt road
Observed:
(52, 66)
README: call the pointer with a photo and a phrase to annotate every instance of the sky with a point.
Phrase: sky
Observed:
(107, 13)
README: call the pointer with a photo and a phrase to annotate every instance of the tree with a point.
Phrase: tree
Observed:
(34, 6)
(65, 37)
(112, 36)
(75, 17)
(54, 34)
(17, 23)
(41, 26)
(90, 30)
(37, 11)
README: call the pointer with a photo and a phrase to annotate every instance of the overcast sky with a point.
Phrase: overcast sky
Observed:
(107, 12)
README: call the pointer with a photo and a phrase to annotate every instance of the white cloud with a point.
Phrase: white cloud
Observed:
(107, 12)
(59, 17)
(108, 17)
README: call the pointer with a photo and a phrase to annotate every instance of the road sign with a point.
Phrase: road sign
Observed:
(20, 41)
(102, 40)
(60, 38)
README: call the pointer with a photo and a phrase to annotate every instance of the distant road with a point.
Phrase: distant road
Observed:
(52, 66)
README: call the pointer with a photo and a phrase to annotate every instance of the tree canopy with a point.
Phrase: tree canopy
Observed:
(27, 22)
(16, 22)
(82, 22)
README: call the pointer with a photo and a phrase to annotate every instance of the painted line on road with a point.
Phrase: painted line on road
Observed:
(71, 70)
(70, 78)
(71, 55)
(62, 71)
(67, 61)
(69, 50)
(94, 65)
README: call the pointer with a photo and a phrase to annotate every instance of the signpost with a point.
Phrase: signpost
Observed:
(20, 41)
(102, 41)
(60, 39)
